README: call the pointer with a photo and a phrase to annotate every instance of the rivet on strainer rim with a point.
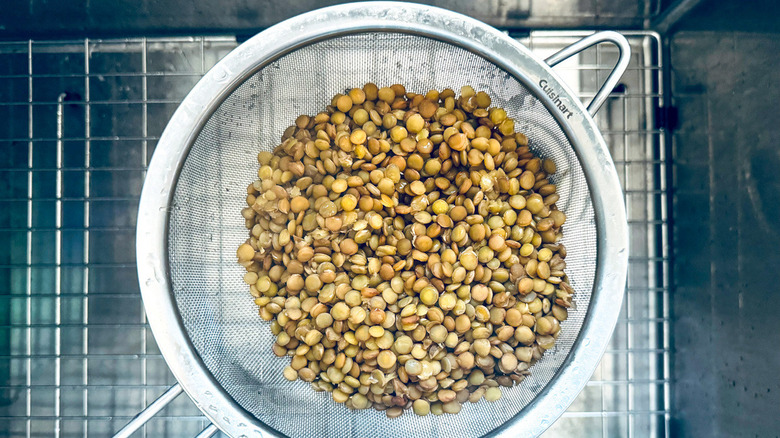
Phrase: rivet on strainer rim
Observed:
(188, 227)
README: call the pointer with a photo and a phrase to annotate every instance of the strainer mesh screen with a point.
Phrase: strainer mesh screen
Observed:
(206, 226)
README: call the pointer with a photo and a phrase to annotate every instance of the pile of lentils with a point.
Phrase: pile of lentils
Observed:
(405, 248)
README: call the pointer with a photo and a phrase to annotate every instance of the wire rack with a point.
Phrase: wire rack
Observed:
(79, 121)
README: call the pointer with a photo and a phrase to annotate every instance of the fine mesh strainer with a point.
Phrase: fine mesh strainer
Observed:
(189, 224)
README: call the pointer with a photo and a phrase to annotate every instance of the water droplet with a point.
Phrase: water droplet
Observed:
(221, 75)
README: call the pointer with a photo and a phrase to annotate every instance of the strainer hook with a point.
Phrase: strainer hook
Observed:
(624, 53)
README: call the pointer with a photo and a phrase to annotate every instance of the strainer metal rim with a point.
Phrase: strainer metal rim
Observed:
(421, 20)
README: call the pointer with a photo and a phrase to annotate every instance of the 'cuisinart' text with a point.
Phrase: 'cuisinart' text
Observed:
(548, 90)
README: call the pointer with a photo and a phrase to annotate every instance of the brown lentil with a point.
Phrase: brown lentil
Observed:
(411, 255)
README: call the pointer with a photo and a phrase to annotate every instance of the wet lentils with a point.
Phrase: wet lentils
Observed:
(405, 248)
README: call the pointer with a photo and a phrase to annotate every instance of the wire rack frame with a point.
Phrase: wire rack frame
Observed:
(79, 121)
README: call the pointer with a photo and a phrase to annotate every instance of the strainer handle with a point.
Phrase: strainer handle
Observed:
(156, 406)
(624, 55)
(150, 411)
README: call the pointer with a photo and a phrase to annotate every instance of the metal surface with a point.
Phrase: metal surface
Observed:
(727, 216)
(183, 17)
(120, 95)
(209, 431)
(672, 15)
(723, 16)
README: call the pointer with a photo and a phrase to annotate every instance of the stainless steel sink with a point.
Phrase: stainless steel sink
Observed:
(79, 121)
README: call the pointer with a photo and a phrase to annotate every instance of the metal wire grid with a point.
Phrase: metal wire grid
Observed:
(79, 121)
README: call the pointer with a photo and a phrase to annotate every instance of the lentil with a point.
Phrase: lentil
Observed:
(421, 407)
